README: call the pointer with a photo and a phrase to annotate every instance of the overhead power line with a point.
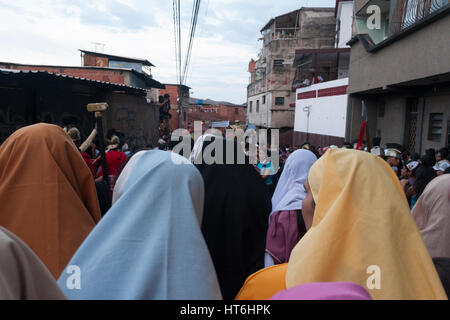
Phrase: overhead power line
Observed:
(183, 69)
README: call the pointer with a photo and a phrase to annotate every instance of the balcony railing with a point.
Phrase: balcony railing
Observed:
(409, 12)
(282, 34)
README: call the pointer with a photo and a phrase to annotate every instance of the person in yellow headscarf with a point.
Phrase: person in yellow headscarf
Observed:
(360, 230)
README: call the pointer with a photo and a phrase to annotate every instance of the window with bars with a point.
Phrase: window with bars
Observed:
(278, 63)
(279, 101)
(436, 127)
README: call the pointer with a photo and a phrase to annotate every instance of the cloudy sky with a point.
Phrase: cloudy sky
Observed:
(51, 32)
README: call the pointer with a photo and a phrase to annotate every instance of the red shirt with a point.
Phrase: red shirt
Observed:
(88, 161)
(114, 161)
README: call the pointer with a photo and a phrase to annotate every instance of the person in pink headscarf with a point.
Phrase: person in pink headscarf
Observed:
(324, 291)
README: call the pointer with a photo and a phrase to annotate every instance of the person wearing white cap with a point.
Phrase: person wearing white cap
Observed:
(441, 167)
(408, 177)
(393, 157)
(377, 151)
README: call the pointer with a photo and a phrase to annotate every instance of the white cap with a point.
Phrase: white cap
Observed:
(393, 153)
(412, 165)
(376, 151)
(442, 165)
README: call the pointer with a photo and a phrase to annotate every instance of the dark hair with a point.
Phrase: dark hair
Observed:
(89, 151)
(423, 177)
(431, 152)
(442, 266)
(428, 161)
(415, 156)
(347, 145)
(111, 133)
(69, 120)
(444, 153)
(376, 141)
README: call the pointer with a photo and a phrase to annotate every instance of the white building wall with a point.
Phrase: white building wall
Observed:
(345, 16)
(327, 114)
(263, 117)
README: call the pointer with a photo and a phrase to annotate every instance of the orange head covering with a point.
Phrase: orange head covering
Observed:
(264, 284)
(47, 193)
(363, 232)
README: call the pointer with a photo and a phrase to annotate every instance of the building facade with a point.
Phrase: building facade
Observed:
(400, 73)
(321, 81)
(270, 94)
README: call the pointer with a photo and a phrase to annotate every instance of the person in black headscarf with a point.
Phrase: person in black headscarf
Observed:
(443, 268)
(236, 214)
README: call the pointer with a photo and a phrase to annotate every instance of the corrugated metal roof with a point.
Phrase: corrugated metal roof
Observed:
(58, 75)
(120, 58)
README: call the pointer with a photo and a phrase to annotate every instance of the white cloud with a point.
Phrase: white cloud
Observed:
(51, 31)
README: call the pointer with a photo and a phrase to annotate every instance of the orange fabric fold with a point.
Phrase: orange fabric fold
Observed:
(47, 193)
(264, 284)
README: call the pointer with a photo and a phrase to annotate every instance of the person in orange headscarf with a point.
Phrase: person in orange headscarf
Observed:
(47, 193)
(360, 230)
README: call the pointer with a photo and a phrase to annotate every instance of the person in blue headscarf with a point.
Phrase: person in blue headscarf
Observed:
(149, 246)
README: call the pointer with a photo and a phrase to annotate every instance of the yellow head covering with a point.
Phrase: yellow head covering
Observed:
(363, 232)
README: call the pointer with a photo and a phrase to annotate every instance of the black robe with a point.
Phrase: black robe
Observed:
(235, 222)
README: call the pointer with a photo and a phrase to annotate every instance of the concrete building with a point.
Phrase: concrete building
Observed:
(400, 72)
(321, 81)
(209, 112)
(271, 96)
(138, 71)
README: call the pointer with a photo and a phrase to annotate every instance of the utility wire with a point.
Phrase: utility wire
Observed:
(194, 19)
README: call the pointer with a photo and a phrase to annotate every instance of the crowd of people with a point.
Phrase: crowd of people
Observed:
(331, 223)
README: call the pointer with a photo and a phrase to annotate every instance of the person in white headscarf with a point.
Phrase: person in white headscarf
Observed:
(286, 226)
(198, 147)
(149, 246)
(23, 276)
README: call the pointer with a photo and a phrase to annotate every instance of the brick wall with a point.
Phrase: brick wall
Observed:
(112, 76)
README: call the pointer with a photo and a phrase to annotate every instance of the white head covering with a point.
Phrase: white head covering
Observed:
(149, 246)
(198, 146)
(125, 174)
(290, 190)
